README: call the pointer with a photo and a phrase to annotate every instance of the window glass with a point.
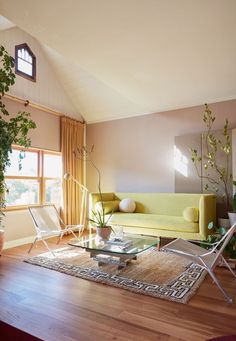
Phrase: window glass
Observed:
(52, 166)
(25, 67)
(53, 192)
(31, 184)
(22, 192)
(25, 62)
(29, 164)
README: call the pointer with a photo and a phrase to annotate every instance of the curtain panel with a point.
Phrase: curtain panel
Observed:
(72, 137)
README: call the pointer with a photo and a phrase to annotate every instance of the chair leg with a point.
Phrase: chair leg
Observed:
(228, 298)
(80, 232)
(75, 234)
(46, 244)
(60, 237)
(32, 245)
(158, 243)
(70, 230)
(228, 266)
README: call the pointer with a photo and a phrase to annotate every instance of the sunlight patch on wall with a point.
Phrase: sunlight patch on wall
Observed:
(180, 162)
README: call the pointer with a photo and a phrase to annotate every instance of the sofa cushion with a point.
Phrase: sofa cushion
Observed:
(154, 221)
(109, 206)
(191, 214)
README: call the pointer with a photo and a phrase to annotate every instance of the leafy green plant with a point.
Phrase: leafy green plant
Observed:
(230, 249)
(220, 181)
(99, 217)
(234, 197)
(12, 130)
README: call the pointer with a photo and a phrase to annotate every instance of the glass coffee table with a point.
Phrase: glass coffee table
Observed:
(115, 250)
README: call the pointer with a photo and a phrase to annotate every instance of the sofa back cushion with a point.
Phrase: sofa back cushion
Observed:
(172, 204)
(107, 206)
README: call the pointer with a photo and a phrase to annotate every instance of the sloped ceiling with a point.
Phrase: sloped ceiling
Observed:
(132, 57)
(5, 24)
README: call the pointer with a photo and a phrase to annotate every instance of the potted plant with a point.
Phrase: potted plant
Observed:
(12, 131)
(99, 217)
(215, 171)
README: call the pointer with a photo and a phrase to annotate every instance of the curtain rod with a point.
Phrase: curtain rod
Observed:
(32, 104)
(27, 103)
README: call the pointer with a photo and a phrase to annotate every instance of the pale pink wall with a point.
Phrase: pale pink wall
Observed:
(47, 133)
(137, 154)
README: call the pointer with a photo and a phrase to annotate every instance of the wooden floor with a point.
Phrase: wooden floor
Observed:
(54, 306)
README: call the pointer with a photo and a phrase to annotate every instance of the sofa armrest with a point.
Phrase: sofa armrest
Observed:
(95, 197)
(207, 213)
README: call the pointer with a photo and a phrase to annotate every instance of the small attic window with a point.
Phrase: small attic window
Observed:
(25, 62)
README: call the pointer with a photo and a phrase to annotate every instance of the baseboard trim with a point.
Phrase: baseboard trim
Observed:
(22, 241)
(18, 242)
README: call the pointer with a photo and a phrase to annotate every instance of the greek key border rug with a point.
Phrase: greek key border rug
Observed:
(154, 273)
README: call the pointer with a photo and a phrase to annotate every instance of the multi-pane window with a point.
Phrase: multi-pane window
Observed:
(38, 180)
(52, 178)
(25, 62)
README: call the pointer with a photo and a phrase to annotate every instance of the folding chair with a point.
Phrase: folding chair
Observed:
(207, 259)
(48, 223)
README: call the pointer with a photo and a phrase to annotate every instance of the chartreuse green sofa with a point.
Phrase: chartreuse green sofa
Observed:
(173, 215)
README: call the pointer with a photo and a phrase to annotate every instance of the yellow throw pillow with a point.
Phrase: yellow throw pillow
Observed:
(191, 214)
(109, 206)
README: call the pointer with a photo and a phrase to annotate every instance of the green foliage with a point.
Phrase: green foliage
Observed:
(230, 249)
(99, 218)
(234, 197)
(220, 182)
(14, 130)
(7, 76)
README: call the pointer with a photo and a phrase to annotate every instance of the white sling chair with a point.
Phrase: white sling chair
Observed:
(48, 223)
(207, 259)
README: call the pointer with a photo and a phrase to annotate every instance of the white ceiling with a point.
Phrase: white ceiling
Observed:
(121, 58)
(5, 24)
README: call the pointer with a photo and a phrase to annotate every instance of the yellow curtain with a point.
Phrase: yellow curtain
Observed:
(72, 137)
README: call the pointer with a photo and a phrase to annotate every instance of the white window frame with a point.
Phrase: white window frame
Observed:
(40, 176)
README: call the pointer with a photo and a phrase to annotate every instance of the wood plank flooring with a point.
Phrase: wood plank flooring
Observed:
(56, 307)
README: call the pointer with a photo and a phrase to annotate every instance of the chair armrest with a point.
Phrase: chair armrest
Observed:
(201, 242)
(182, 253)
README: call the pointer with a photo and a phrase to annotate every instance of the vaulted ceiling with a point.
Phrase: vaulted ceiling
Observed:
(132, 57)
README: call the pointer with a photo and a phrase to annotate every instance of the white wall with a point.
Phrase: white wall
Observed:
(19, 228)
(46, 90)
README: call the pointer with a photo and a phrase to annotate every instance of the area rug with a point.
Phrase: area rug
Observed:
(154, 273)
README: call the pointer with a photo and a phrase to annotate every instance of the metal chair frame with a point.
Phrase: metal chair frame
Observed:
(43, 233)
(207, 259)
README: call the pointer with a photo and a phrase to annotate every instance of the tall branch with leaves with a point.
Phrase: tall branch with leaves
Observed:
(14, 130)
(234, 197)
(99, 218)
(210, 161)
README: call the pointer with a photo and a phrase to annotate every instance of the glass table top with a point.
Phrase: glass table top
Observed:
(129, 244)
